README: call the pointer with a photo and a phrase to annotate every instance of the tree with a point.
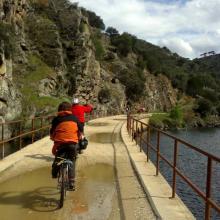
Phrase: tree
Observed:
(210, 94)
(123, 43)
(194, 85)
(134, 83)
(94, 20)
(112, 31)
(204, 107)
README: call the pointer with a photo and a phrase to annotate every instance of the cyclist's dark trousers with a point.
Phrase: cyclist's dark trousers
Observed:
(68, 151)
(82, 124)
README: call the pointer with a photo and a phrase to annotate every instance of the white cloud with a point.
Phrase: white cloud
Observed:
(179, 46)
(188, 27)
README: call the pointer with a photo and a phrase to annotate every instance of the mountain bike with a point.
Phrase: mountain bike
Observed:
(63, 178)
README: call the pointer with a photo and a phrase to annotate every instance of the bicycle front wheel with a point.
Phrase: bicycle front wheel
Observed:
(62, 186)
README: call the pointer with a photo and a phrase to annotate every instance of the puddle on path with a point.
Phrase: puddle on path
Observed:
(97, 124)
(34, 196)
(104, 138)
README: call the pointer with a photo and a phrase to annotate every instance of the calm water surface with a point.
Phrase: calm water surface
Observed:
(193, 165)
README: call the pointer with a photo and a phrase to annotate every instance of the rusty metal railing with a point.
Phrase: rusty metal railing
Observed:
(137, 128)
(30, 128)
(23, 128)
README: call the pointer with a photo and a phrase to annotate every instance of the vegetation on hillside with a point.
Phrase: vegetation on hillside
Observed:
(198, 78)
(50, 27)
(7, 38)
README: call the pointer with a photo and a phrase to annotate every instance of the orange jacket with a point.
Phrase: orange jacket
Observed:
(65, 129)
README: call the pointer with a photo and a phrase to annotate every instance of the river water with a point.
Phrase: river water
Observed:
(193, 165)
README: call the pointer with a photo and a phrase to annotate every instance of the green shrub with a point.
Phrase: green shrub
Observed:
(94, 20)
(104, 95)
(99, 49)
(112, 31)
(204, 107)
(210, 94)
(124, 43)
(176, 114)
(134, 83)
(157, 120)
(7, 36)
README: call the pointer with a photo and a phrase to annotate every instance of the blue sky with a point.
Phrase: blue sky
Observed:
(188, 28)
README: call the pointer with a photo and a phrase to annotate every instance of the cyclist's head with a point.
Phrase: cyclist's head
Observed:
(75, 101)
(64, 106)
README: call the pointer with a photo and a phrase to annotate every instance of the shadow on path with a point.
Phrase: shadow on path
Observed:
(41, 200)
(41, 157)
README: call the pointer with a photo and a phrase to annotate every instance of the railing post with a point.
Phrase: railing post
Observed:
(20, 141)
(158, 153)
(136, 133)
(41, 126)
(130, 124)
(32, 128)
(148, 141)
(141, 134)
(132, 133)
(208, 188)
(3, 144)
(174, 168)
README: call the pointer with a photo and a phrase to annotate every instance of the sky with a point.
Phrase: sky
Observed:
(187, 27)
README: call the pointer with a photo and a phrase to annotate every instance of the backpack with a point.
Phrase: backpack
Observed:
(83, 143)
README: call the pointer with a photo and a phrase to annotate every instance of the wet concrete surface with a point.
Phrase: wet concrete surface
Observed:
(103, 137)
(35, 196)
(97, 124)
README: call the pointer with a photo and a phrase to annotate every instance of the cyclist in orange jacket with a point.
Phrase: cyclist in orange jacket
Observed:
(65, 132)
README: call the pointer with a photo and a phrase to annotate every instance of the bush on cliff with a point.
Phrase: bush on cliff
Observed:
(7, 37)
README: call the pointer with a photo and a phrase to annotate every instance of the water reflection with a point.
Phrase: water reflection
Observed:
(35, 196)
(104, 138)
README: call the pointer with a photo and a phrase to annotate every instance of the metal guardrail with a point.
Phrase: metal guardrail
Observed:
(30, 128)
(24, 128)
(137, 128)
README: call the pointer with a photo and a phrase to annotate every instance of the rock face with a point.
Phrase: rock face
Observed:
(10, 104)
(52, 57)
(160, 94)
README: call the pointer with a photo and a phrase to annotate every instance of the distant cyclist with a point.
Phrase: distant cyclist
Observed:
(80, 110)
(65, 132)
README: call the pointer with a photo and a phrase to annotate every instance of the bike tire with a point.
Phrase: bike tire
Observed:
(62, 187)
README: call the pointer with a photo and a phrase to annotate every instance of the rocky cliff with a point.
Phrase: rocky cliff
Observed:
(48, 53)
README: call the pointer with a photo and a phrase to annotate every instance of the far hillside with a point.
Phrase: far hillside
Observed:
(199, 78)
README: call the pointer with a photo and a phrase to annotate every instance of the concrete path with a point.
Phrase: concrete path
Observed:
(109, 144)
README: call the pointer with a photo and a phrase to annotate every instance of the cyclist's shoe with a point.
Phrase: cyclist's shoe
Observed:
(54, 176)
(54, 173)
(71, 186)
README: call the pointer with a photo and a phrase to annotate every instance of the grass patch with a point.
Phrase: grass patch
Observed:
(38, 70)
(29, 82)
(157, 119)
(165, 121)
(99, 49)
